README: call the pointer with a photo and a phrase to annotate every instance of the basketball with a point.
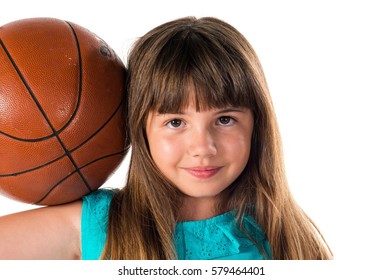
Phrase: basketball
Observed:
(62, 90)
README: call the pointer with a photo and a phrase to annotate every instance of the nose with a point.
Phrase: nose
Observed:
(202, 143)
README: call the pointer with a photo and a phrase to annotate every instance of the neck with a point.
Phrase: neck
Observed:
(193, 209)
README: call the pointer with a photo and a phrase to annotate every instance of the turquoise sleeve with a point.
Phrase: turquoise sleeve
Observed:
(94, 220)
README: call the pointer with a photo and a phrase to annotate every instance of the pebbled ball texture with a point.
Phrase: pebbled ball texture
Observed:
(62, 94)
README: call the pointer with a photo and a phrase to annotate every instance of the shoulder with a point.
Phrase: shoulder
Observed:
(94, 222)
(95, 208)
(98, 199)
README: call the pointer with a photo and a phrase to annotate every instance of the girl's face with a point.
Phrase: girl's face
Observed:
(203, 152)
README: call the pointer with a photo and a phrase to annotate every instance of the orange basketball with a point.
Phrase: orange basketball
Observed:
(62, 90)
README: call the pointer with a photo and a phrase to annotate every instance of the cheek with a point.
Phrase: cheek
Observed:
(165, 151)
(237, 148)
(238, 143)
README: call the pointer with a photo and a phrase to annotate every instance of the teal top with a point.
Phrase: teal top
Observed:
(217, 238)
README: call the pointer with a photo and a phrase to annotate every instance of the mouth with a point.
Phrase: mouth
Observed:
(203, 172)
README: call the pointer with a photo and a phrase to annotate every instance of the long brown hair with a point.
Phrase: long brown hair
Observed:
(224, 70)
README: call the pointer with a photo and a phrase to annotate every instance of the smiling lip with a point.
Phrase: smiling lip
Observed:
(203, 172)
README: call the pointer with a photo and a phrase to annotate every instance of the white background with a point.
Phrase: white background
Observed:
(322, 60)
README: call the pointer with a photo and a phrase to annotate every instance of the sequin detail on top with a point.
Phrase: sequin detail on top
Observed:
(219, 238)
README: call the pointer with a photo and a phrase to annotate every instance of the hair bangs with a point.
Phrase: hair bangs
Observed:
(194, 68)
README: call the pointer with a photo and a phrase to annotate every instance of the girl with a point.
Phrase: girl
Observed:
(206, 177)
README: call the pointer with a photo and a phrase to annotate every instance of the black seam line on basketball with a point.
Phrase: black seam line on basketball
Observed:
(23, 80)
(32, 169)
(37, 103)
(72, 150)
(67, 153)
(102, 126)
(73, 172)
(48, 163)
(36, 140)
(70, 119)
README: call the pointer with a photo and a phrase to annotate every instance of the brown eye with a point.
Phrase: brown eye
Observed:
(175, 123)
(225, 121)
